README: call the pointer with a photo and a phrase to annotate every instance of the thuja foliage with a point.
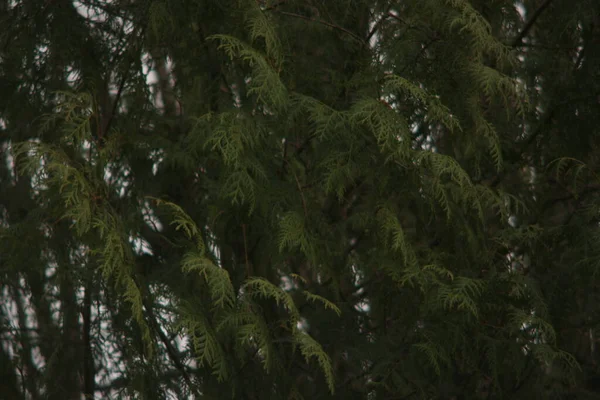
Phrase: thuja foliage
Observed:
(297, 199)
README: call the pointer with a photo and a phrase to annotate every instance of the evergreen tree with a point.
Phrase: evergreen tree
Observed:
(299, 199)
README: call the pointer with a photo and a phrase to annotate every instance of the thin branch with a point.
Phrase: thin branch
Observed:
(547, 46)
(329, 24)
(119, 384)
(579, 59)
(517, 41)
(376, 26)
(88, 355)
(284, 159)
(274, 6)
(423, 50)
(397, 18)
(301, 195)
(550, 114)
(353, 245)
(110, 117)
(171, 352)
(304, 144)
(248, 272)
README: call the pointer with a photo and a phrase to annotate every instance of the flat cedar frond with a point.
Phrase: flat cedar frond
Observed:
(435, 354)
(435, 109)
(311, 348)
(256, 334)
(390, 226)
(265, 83)
(327, 121)
(263, 288)
(262, 27)
(217, 279)
(462, 293)
(326, 303)
(425, 277)
(470, 20)
(388, 126)
(205, 341)
(293, 233)
(181, 220)
(240, 188)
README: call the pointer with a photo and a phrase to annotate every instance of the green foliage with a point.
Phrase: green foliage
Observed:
(205, 341)
(461, 294)
(221, 290)
(298, 200)
(311, 348)
(264, 81)
(263, 288)
(326, 303)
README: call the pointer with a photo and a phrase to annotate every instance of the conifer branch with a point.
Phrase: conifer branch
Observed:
(517, 41)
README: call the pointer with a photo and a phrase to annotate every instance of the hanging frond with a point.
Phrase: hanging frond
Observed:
(217, 279)
(256, 334)
(426, 276)
(262, 27)
(434, 352)
(204, 340)
(265, 82)
(390, 226)
(261, 287)
(468, 20)
(436, 111)
(328, 304)
(181, 219)
(388, 126)
(461, 294)
(328, 122)
(310, 348)
(293, 234)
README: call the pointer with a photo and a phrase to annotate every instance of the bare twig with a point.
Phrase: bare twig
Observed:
(274, 6)
(517, 41)
(301, 195)
(376, 26)
(248, 272)
(423, 50)
(326, 23)
(113, 111)
(88, 355)
(171, 351)
(550, 114)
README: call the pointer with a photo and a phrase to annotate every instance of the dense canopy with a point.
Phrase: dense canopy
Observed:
(299, 199)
